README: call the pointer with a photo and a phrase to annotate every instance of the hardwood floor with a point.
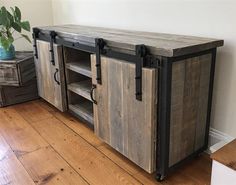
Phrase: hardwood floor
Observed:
(40, 145)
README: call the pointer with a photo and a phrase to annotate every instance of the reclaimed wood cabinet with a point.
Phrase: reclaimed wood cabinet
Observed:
(50, 77)
(148, 95)
(126, 124)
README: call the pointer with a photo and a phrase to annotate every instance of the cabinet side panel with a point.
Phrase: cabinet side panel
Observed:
(189, 98)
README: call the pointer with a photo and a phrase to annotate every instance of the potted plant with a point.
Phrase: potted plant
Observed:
(9, 23)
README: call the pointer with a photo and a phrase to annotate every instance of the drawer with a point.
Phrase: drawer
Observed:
(19, 71)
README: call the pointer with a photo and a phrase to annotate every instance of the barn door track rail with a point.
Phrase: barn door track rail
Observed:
(141, 57)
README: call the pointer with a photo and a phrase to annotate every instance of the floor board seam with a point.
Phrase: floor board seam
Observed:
(17, 157)
(97, 149)
(91, 145)
(53, 147)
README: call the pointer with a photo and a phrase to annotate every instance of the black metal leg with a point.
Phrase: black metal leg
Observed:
(212, 74)
(163, 126)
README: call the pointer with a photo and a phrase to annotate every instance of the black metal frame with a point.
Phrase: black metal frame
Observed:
(142, 58)
(35, 35)
(52, 40)
(164, 104)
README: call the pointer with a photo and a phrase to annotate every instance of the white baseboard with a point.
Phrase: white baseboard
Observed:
(217, 139)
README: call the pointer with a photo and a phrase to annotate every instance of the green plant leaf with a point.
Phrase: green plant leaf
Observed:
(13, 13)
(25, 25)
(11, 18)
(16, 26)
(26, 37)
(4, 17)
(17, 14)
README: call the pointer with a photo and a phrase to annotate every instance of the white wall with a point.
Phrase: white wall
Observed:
(37, 12)
(208, 18)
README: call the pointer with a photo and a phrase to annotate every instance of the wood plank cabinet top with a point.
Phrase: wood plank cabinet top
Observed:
(226, 155)
(162, 44)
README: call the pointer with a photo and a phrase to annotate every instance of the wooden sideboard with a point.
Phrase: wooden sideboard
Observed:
(148, 95)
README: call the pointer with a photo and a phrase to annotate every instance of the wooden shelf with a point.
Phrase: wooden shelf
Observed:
(81, 88)
(82, 67)
(83, 110)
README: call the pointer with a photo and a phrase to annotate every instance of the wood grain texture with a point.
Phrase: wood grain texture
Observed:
(28, 112)
(124, 40)
(11, 170)
(83, 109)
(18, 133)
(119, 159)
(77, 61)
(46, 166)
(122, 121)
(10, 95)
(47, 87)
(18, 71)
(81, 88)
(189, 100)
(39, 162)
(79, 128)
(226, 155)
(84, 158)
(79, 83)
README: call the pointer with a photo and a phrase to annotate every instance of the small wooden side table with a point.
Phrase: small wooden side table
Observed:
(224, 165)
(18, 79)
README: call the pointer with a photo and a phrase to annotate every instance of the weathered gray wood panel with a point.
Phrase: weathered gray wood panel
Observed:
(189, 100)
(18, 71)
(128, 125)
(123, 40)
(10, 95)
(47, 87)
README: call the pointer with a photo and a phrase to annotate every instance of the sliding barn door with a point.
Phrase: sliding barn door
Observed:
(126, 124)
(51, 82)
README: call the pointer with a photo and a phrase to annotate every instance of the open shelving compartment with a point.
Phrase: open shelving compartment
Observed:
(79, 83)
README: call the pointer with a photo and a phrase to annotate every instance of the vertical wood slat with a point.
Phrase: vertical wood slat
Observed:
(128, 125)
(47, 87)
(190, 86)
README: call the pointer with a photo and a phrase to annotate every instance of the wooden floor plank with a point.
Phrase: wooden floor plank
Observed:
(45, 166)
(21, 137)
(31, 111)
(95, 167)
(11, 170)
(79, 128)
(119, 159)
(95, 161)
(47, 106)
